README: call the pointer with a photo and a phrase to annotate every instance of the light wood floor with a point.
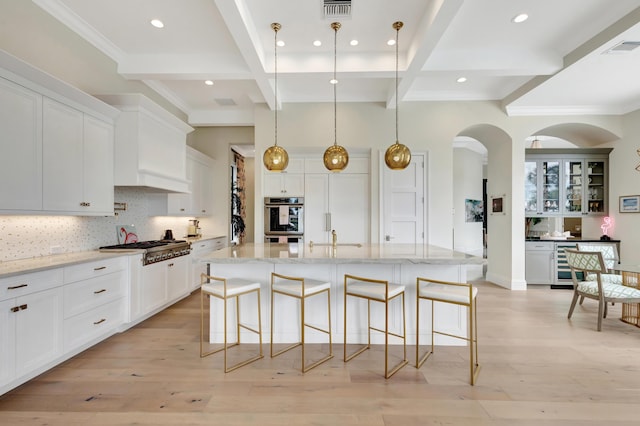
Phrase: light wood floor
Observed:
(538, 369)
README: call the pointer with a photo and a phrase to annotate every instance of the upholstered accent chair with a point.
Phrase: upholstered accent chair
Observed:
(592, 265)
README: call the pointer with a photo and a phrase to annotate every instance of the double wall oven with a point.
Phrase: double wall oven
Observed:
(283, 219)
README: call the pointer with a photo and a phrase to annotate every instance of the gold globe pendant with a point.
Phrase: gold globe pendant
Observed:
(275, 158)
(336, 158)
(397, 157)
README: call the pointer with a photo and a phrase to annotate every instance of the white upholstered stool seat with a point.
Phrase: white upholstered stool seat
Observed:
(225, 289)
(234, 287)
(301, 289)
(378, 291)
(462, 294)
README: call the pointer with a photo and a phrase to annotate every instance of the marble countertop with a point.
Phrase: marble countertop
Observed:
(366, 253)
(35, 264)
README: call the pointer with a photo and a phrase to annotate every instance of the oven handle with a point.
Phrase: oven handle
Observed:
(283, 204)
(327, 221)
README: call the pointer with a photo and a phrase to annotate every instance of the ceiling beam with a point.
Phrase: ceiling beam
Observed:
(431, 28)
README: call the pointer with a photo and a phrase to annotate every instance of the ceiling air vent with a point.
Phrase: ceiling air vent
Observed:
(337, 8)
(624, 47)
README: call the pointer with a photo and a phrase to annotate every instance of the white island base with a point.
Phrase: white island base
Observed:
(396, 263)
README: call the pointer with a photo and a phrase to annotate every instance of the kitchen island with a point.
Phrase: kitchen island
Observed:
(398, 263)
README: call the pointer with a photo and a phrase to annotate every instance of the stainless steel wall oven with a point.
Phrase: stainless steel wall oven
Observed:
(283, 218)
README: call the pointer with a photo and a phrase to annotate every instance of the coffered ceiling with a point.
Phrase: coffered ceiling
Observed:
(555, 62)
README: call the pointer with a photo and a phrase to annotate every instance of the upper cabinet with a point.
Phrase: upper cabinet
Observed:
(567, 182)
(289, 183)
(57, 145)
(150, 145)
(78, 161)
(199, 200)
(21, 142)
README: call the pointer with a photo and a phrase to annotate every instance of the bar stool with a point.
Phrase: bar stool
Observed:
(301, 289)
(377, 291)
(225, 289)
(462, 294)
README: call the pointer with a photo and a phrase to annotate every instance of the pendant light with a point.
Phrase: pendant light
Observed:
(335, 157)
(398, 156)
(275, 158)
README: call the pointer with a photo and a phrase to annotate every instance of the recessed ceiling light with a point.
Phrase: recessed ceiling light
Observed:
(208, 82)
(520, 18)
(157, 23)
(280, 43)
(317, 43)
(461, 79)
(391, 42)
(353, 42)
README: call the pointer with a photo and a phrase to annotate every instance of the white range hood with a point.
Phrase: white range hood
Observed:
(150, 145)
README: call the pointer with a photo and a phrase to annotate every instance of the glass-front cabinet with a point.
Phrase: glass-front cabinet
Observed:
(585, 187)
(566, 182)
(542, 187)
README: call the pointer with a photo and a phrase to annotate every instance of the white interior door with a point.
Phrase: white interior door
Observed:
(403, 206)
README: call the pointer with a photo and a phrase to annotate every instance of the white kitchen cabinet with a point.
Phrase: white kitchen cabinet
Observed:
(201, 184)
(198, 202)
(198, 249)
(157, 286)
(7, 341)
(21, 142)
(178, 277)
(93, 301)
(540, 265)
(289, 183)
(340, 202)
(283, 184)
(77, 161)
(52, 140)
(30, 323)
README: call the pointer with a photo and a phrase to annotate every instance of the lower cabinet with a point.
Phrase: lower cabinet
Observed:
(199, 249)
(540, 265)
(30, 325)
(93, 301)
(159, 285)
(49, 316)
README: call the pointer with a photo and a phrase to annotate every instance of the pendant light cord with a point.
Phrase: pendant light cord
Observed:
(336, 26)
(397, 32)
(275, 58)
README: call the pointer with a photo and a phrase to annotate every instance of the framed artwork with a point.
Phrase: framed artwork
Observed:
(498, 204)
(473, 210)
(630, 204)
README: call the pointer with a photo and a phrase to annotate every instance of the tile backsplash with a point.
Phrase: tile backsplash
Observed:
(23, 237)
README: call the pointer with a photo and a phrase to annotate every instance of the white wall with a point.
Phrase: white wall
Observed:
(624, 179)
(467, 184)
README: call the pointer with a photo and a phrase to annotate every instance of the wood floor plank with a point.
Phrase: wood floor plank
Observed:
(538, 369)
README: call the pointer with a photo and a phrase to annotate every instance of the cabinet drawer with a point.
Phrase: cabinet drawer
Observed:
(533, 246)
(203, 247)
(20, 285)
(97, 268)
(84, 295)
(92, 324)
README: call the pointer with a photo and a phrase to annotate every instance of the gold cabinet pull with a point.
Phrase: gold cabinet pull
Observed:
(99, 322)
(15, 309)
(99, 268)
(23, 307)
(100, 291)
